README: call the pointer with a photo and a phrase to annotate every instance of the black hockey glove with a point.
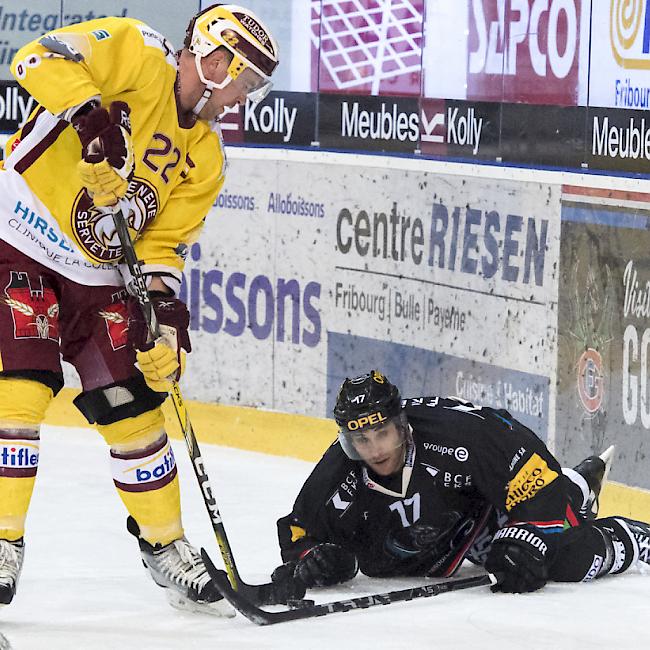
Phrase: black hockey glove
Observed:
(325, 565)
(518, 558)
(285, 586)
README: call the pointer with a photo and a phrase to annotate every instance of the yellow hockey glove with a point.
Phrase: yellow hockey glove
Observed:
(162, 364)
(105, 186)
(163, 360)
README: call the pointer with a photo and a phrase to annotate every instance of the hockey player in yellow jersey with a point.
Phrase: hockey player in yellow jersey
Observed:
(120, 117)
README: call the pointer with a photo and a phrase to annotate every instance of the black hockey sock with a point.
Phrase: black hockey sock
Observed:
(621, 544)
(594, 549)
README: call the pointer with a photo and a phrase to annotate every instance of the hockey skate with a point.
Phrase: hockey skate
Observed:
(594, 470)
(11, 564)
(179, 569)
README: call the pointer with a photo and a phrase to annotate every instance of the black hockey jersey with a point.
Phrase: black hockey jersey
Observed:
(471, 470)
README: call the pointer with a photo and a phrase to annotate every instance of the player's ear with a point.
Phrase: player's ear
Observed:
(215, 65)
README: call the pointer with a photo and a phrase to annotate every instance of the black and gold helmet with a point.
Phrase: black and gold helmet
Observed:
(366, 401)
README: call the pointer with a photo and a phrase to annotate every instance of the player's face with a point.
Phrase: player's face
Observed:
(233, 94)
(381, 448)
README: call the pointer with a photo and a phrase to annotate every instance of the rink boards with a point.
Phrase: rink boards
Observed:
(520, 289)
(516, 288)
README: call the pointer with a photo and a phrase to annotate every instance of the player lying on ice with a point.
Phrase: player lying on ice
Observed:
(119, 116)
(414, 487)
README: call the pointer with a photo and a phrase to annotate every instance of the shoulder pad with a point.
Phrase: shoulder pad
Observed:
(60, 48)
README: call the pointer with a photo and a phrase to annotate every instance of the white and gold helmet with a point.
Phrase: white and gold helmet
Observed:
(244, 35)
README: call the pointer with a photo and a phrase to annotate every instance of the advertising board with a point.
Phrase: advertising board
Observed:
(604, 329)
(527, 51)
(364, 47)
(316, 270)
(620, 53)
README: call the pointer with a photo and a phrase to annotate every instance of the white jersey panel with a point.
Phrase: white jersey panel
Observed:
(27, 225)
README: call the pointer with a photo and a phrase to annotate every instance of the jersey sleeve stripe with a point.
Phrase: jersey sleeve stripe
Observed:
(47, 128)
(30, 124)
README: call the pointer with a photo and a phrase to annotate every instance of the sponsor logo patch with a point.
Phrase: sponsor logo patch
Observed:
(594, 569)
(94, 229)
(367, 421)
(101, 34)
(531, 478)
(461, 454)
(130, 472)
(19, 454)
(117, 324)
(35, 310)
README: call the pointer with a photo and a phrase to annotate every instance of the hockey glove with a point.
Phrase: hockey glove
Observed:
(107, 152)
(285, 586)
(518, 558)
(163, 360)
(325, 565)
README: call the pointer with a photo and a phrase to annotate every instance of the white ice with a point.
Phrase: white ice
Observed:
(83, 585)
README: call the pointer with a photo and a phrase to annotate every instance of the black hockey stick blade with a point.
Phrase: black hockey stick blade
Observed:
(262, 617)
(256, 594)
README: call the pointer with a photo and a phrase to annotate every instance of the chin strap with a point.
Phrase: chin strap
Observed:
(207, 93)
(210, 86)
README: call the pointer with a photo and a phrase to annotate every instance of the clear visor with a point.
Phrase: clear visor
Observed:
(257, 95)
(365, 443)
(254, 86)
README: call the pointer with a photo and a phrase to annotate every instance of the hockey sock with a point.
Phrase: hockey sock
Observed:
(622, 547)
(22, 408)
(144, 473)
(18, 465)
(595, 549)
(147, 483)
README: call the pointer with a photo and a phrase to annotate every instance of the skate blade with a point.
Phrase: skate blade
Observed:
(607, 457)
(221, 608)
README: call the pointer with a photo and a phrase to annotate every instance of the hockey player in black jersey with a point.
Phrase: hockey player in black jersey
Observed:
(415, 486)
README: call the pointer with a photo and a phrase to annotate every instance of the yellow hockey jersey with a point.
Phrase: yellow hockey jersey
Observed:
(178, 171)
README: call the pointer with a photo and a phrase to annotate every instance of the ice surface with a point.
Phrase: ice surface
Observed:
(83, 585)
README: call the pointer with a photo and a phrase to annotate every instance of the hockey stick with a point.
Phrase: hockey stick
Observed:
(138, 288)
(309, 610)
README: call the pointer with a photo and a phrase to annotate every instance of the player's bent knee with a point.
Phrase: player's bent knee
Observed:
(134, 433)
(580, 556)
(23, 402)
(124, 399)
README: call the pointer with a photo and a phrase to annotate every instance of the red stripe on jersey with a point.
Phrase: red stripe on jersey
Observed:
(570, 517)
(457, 561)
(40, 148)
(30, 124)
(542, 524)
